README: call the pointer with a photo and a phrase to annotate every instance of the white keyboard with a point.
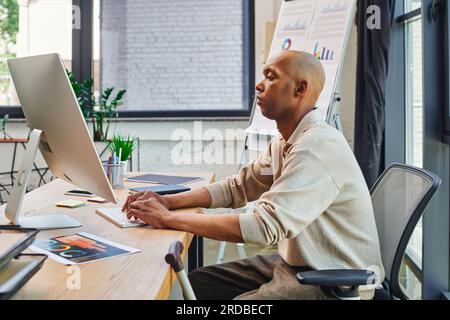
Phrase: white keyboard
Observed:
(119, 218)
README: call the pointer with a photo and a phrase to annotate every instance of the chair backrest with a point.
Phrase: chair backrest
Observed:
(399, 198)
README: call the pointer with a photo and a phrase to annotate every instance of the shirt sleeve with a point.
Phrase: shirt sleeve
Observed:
(303, 192)
(248, 185)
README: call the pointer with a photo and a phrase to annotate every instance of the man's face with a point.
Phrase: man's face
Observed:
(276, 91)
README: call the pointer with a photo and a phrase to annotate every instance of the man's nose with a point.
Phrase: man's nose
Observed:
(259, 87)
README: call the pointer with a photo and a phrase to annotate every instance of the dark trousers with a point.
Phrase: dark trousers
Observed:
(265, 277)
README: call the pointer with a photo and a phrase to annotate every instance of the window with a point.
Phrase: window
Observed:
(411, 271)
(192, 58)
(411, 5)
(414, 94)
(31, 28)
(417, 93)
(176, 57)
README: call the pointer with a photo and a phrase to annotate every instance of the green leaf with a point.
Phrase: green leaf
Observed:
(9, 24)
(127, 144)
(106, 106)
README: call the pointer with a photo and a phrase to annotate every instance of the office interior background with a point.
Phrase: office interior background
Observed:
(190, 66)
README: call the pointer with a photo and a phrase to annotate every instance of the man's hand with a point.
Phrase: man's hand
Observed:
(218, 227)
(150, 211)
(191, 199)
(142, 196)
(153, 209)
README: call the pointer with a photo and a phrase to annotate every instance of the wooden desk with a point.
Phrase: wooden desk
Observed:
(143, 275)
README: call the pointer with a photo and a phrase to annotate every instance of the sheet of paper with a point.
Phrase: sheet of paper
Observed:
(80, 248)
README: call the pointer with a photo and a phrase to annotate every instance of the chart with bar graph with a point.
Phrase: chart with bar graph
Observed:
(319, 27)
(323, 53)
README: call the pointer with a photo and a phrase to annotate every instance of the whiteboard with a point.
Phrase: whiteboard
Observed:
(320, 27)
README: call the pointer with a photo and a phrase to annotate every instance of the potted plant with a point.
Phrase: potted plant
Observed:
(106, 110)
(3, 123)
(99, 111)
(123, 147)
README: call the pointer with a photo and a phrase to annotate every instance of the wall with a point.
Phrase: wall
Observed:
(174, 54)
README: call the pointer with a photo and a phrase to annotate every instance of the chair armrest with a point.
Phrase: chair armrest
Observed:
(337, 278)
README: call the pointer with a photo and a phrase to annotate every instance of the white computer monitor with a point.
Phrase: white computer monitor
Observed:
(59, 131)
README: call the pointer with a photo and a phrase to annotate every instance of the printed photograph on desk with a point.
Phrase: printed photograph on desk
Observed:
(80, 248)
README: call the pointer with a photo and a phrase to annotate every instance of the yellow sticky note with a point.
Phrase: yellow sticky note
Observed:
(70, 203)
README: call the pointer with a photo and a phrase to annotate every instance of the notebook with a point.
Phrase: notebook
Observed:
(162, 189)
(163, 179)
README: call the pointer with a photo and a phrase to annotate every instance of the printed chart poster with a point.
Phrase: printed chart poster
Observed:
(315, 26)
(319, 27)
(293, 26)
(80, 248)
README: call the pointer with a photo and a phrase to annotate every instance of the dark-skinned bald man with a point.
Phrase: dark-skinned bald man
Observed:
(311, 199)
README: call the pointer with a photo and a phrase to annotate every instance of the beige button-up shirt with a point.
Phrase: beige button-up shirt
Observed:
(311, 200)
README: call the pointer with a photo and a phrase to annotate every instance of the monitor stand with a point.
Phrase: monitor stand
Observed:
(14, 206)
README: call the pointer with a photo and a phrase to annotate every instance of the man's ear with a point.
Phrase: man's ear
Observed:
(302, 87)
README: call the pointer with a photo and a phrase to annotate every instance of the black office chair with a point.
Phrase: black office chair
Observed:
(399, 198)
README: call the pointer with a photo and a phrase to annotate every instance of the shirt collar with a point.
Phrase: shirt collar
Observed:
(310, 118)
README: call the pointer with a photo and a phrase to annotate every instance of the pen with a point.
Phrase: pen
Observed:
(114, 168)
(120, 156)
(109, 167)
(114, 157)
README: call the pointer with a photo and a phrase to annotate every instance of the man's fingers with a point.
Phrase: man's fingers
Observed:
(138, 205)
(136, 196)
(141, 198)
(134, 213)
(125, 205)
(132, 198)
(147, 195)
(149, 203)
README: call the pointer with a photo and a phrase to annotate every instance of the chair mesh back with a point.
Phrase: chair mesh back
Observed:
(395, 199)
